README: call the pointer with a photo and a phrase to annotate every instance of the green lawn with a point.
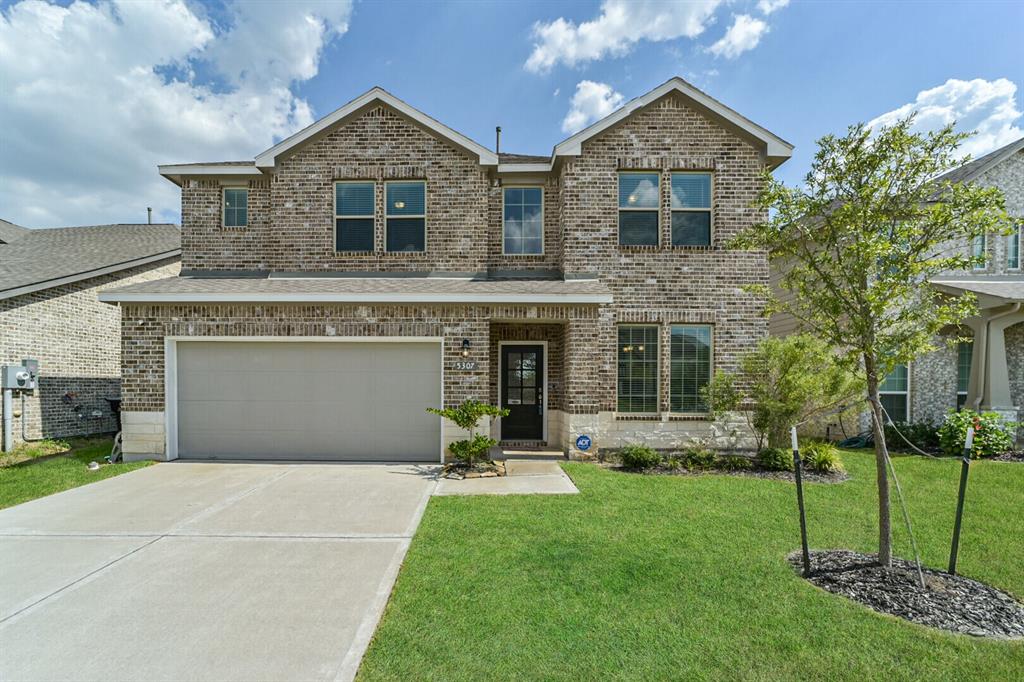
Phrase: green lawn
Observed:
(36, 474)
(660, 577)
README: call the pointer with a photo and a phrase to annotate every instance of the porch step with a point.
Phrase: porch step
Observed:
(531, 454)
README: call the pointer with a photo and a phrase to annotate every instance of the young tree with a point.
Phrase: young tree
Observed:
(858, 243)
(784, 381)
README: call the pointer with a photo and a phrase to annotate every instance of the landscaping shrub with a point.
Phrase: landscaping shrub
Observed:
(822, 457)
(698, 458)
(735, 463)
(639, 457)
(923, 435)
(467, 416)
(992, 434)
(674, 462)
(775, 459)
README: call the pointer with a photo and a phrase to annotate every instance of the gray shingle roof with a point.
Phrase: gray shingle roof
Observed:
(40, 256)
(9, 231)
(1006, 290)
(421, 289)
(973, 169)
(522, 158)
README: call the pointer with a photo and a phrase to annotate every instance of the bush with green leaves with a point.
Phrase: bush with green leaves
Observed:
(735, 463)
(639, 457)
(923, 435)
(775, 459)
(822, 457)
(467, 416)
(698, 458)
(992, 434)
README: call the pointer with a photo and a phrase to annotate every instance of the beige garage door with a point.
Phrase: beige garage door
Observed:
(308, 400)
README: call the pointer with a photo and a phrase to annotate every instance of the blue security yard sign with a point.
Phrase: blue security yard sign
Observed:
(583, 442)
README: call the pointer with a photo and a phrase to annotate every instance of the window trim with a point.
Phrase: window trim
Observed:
(905, 394)
(373, 216)
(711, 364)
(710, 209)
(970, 367)
(657, 210)
(423, 216)
(984, 252)
(657, 369)
(224, 206)
(1017, 230)
(542, 230)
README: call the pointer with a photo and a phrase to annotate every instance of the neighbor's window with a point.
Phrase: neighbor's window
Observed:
(236, 207)
(691, 367)
(406, 216)
(964, 355)
(691, 209)
(1013, 249)
(979, 248)
(353, 216)
(638, 369)
(894, 394)
(524, 220)
(639, 202)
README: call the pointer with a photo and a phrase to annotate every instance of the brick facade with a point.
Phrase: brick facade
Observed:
(77, 342)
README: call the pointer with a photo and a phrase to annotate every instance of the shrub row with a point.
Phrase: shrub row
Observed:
(820, 457)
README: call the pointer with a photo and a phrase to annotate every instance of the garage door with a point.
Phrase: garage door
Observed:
(308, 400)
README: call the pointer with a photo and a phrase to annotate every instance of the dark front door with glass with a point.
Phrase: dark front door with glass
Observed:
(522, 392)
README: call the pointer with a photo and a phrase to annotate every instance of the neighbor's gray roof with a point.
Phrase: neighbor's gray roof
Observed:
(42, 258)
(989, 292)
(9, 231)
(972, 169)
(360, 289)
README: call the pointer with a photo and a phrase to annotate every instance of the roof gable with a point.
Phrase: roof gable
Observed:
(972, 169)
(268, 158)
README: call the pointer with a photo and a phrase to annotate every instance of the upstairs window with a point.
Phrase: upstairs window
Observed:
(1013, 249)
(639, 201)
(236, 207)
(691, 209)
(353, 216)
(964, 355)
(406, 213)
(523, 231)
(638, 369)
(979, 248)
(691, 367)
(894, 394)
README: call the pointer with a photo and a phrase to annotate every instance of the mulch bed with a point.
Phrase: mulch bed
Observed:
(1017, 456)
(458, 471)
(808, 476)
(951, 602)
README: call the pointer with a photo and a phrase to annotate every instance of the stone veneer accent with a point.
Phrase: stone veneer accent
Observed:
(77, 341)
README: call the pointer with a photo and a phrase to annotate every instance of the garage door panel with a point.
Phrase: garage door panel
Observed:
(308, 400)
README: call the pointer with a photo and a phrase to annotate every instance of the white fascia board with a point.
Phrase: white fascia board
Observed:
(525, 167)
(268, 158)
(775, 146)
(130, 297)
(78, 277)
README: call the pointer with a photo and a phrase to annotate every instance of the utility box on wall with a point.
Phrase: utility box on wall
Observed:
(23, 378)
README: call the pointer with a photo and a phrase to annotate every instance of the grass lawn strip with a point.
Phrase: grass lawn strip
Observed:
(670, 577)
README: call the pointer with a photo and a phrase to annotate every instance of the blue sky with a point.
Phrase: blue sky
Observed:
(96, 94)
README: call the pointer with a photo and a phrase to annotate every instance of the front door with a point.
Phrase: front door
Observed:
(522, 392)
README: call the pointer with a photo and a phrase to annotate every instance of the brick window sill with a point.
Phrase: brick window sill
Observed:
(626, 417)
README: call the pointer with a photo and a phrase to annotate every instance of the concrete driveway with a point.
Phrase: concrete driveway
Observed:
(196, 571)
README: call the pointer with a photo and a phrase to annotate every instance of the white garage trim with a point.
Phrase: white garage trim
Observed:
(171, 371)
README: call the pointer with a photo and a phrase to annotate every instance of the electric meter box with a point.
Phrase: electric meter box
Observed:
(24, 377)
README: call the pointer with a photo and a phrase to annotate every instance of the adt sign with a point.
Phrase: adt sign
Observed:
(583, 443)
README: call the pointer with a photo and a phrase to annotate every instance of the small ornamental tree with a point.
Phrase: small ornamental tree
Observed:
(857, 244)
(784, 381)
(467, 416)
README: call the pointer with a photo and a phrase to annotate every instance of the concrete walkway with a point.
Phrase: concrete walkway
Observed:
(525, 477)
(196, 571)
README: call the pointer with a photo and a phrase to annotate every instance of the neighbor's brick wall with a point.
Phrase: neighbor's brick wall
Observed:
(665, 284)
(76, 339)
(379, 145)
(933, 383)
(1009, 177)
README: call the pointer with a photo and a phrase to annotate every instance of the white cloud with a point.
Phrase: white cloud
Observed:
(769, 6)
(989, 108)
(744, 34)
(591, 102)
(620, 25)
(96, 95)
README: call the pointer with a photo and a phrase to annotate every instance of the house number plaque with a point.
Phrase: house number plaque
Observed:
(465, 365)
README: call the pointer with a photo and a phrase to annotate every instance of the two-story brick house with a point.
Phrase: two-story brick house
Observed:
(377, 263)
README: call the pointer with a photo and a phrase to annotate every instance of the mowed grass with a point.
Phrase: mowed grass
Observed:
(659, 577)
(37, 474)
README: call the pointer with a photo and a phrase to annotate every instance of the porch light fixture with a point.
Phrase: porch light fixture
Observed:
(465, 348)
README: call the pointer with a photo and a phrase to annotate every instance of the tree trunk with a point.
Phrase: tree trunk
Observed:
(881, 471)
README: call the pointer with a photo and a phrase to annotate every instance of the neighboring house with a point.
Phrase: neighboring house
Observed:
(49, 311)
(986, 372)
(378, 262)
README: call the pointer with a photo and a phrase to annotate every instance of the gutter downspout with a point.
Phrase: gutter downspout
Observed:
(982, 380)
